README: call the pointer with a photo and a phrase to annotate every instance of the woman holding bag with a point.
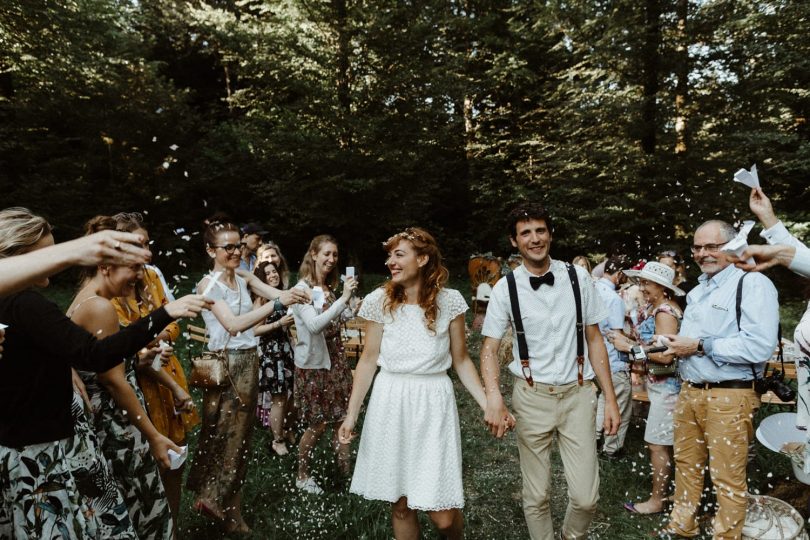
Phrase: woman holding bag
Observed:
(219, 468)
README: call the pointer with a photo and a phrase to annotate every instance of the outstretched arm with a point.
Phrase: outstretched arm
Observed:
(112, 247)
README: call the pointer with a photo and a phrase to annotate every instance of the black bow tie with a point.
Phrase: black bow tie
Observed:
(547, 279)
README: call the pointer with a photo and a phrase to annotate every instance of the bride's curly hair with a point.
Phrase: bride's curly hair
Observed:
(433, 276)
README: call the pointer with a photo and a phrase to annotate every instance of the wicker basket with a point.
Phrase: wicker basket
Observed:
(772, 519)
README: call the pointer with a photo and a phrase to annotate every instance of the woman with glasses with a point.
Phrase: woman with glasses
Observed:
(672, 259)
(220, 465)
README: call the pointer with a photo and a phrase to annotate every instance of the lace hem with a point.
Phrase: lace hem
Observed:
(449, 506)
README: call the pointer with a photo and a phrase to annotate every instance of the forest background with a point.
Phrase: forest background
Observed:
(627, 118)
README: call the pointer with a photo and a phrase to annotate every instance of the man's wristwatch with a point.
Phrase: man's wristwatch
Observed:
(700, 350)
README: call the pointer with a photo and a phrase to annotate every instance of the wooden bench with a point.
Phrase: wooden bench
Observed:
(353, 335)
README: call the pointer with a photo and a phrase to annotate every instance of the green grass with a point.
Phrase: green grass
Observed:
(275, 509)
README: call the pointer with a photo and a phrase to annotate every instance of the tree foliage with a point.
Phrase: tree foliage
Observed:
(626, 117)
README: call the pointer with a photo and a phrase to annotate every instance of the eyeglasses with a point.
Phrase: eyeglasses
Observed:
(695, 249)
(230, 248)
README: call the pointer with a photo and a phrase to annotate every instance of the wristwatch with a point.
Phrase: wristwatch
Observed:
(700, 350)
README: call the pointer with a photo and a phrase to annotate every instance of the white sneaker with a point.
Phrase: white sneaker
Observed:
(309, 485)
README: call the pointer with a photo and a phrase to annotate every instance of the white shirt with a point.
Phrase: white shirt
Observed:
(549, 321)
(711, 314)
(614, 321)
(217, 335)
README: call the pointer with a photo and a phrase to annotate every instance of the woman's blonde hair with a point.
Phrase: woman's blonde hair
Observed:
(307, 270)
(20, 230)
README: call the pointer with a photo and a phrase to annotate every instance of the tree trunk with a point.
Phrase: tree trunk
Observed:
(651, 66)
(682, 76)
(343, 71)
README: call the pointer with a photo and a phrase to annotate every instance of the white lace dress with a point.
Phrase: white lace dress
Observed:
(411, 444)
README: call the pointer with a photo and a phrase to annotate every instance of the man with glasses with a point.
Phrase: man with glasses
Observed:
(722, 352)
(553, 393)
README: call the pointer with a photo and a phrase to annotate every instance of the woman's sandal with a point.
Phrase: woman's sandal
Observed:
(279, 447)
(206, 508)
(631, 507)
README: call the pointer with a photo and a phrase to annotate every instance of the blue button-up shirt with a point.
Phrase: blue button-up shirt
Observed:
(711, 314)
(614, 321)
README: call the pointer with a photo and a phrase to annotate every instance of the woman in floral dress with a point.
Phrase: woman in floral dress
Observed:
(127, 437)
(323, 380)
(276, 365)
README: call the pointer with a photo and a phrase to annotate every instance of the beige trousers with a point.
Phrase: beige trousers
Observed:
(570, 412)
(716, 425)
(624, 397)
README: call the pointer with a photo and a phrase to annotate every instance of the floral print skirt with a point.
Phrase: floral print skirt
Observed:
(322, 395)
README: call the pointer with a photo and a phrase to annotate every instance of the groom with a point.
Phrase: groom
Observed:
(553, 392)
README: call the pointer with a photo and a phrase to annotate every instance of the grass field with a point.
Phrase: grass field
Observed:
(274, 508)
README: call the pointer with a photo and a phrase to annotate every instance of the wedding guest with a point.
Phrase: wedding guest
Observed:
(218, 471)
(165, 390)
(269, 251)
(662, 316)
(323, 380)
(277, 366)
(127, 436)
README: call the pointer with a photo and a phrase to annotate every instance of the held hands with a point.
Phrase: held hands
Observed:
(182, 400)
(346, 432)
(159, 447)
(188, 306)
(349, 286)
(497, 417)
(619, 341)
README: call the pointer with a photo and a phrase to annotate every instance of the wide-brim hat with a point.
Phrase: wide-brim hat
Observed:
(657, 273)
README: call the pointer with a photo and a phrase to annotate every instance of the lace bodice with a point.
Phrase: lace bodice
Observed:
(408, 346)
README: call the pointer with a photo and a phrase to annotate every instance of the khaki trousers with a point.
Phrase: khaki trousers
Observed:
(624, 397)
(714, 424)
(570, 412)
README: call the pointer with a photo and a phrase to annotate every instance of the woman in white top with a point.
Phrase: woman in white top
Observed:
(410, 450)
(323, 380)
(219, 467)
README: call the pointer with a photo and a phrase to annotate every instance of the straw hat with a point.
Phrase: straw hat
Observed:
(657, 273)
